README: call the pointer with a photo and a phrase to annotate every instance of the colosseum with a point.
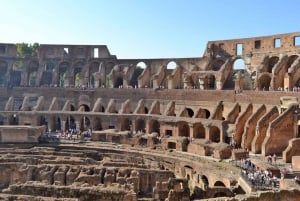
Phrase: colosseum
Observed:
(80, 124)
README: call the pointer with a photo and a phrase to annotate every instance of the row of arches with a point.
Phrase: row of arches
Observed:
(75, 73)
(133, 124)
(285, 80)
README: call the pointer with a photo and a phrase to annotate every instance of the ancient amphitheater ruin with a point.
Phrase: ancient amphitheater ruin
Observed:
(80, 124)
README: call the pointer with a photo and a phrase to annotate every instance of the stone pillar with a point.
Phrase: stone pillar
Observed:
(201, 83)
(219, 85)
(77, 122)
(51, 123)
(191, 131)
(207, 131)
(63, 125)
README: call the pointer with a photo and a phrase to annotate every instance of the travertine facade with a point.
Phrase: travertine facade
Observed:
(86, 89)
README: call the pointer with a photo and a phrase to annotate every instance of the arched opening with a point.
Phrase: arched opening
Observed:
(264, 82)
(203, 113)
(137, 72)
(118, 82)
(102, 109)
(291, 61)
(190, 112)
(171, 65)
(58, 123)
(70, 124)
(32, 73)
(214, 134)
(15, 75)
(219, 183)
(199, 131)
(41, 121)
(207, 113)
(204, 181)
(209, 82)
(217, 65)
(49, 66)
(72, 107)
(46, 79)
(93, 69)
(77, 70)
(239, 64)
(84, 108)
(97, 125)
(272, 62)
(154, 126)
(62, 73)
(3, 70)
(183, 129)
(141, 65)
(85, 123)
(140, 125)
(125, 124)
(18, 65)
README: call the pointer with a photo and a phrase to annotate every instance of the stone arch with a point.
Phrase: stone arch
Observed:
(205, 182)
(46, 79)
(264, 81)
(93, 70)
(239, 64)
(219, 183)
(125, 124)
(16, 74)
(190, 112)
(78, 66)
(214, 134)
(272, 61)
(154, 126)
(32, 73)
(171, 65)
(141, 65)
(140, 125)
(183, 129)
(199, 131)
(138, 69)
(97, 123)
(84, 108)
(62, 73)
(72, 107)
(203, 113)
(57, 122)
(217, 64)
(49, 66)
(291, 60)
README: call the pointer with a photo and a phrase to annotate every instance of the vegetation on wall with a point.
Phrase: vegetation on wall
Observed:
(27, 50)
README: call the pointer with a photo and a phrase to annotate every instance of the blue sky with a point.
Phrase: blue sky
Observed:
(145, 28)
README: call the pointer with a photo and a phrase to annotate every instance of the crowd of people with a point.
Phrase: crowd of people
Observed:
(258, 178)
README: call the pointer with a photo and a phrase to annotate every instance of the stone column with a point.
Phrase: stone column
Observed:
(63, 125)
(77, 122)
